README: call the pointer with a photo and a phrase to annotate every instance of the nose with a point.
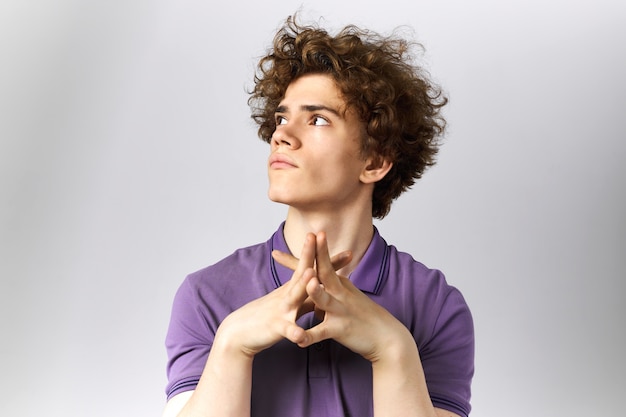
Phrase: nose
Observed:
(283, 136)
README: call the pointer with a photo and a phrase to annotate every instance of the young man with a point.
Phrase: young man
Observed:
(351, 326)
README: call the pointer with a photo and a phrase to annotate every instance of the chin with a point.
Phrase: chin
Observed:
(277, 197)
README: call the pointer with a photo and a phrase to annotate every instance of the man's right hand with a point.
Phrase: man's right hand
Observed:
(263, 322)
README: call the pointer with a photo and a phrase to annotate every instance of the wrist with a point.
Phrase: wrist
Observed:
(397, 349)
(227, 344)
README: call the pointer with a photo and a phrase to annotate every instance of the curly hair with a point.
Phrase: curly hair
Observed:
(397, 102)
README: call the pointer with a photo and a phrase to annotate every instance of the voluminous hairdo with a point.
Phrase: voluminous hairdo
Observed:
(395, 99)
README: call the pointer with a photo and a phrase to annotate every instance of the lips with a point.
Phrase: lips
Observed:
(281, 161)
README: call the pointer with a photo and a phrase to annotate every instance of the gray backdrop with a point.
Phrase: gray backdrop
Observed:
(127, 160)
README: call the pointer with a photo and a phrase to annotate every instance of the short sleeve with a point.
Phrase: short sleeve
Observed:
(448, 356)
(188, 341)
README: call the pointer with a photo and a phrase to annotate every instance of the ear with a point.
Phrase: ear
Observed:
(375, 169)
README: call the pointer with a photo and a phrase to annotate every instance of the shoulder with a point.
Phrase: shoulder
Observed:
(229, 283)
(234, 266)
(419, 291)
(404, 267)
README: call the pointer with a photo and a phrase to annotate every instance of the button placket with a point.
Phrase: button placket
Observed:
(319, 360)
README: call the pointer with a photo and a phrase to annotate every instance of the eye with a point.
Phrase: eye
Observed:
(319, 121)
(280, 120)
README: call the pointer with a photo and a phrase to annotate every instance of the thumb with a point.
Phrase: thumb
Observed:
(314, 335)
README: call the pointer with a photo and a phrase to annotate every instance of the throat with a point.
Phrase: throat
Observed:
(343, 234)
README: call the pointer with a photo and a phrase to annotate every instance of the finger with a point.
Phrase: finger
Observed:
(296, 287)
(296, 291)
(306, 307)
(314, 335)
(307, 256)
(319, 313)
(341, 259)
(319, 296)
(295, 333)
(325, 272)
(287, 260)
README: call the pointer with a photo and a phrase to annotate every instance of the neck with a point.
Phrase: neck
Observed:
(344, 231)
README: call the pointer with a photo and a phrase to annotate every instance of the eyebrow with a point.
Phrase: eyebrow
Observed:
(310, 108)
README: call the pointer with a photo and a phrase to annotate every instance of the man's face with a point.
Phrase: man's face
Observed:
(315, 162)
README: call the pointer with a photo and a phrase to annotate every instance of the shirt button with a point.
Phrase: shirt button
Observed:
(319, 346)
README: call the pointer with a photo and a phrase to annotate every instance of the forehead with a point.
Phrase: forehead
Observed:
(314, 89)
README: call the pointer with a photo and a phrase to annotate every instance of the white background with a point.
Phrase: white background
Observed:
(128, 159)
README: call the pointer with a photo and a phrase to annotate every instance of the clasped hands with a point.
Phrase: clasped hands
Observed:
(349, 316)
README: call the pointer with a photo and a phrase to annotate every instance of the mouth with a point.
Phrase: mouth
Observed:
(281, 161)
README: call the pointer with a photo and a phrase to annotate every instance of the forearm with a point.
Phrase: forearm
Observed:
(399, 385)
(225, 386)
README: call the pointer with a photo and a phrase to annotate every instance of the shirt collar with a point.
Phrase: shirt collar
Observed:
(369, 275)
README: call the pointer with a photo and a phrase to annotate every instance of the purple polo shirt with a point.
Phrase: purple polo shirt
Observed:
(326, 379)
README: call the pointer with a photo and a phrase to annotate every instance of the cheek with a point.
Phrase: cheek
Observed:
(339, 170)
